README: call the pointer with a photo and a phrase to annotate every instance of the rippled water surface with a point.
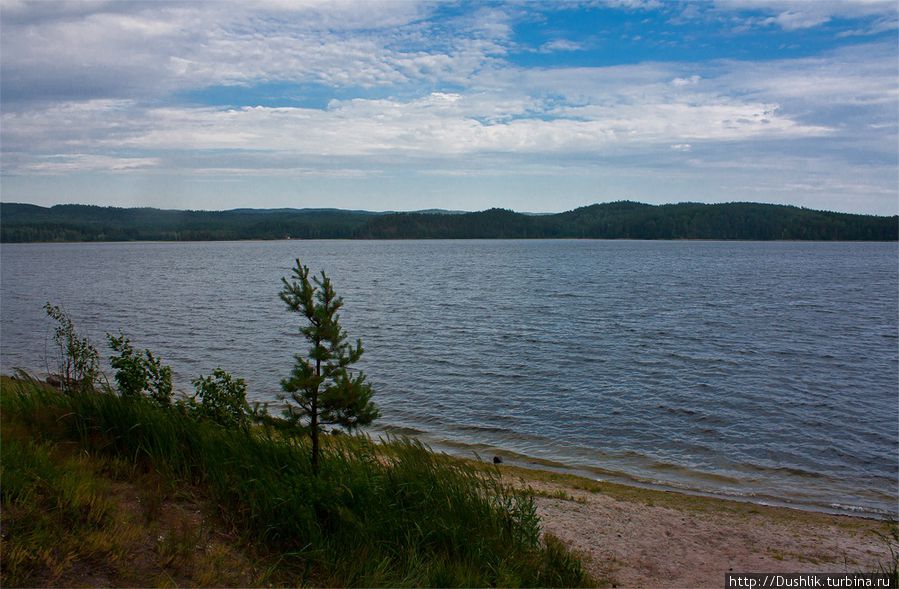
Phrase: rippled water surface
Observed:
(763, 370)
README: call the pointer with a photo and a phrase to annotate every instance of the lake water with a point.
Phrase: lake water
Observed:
(766, 371)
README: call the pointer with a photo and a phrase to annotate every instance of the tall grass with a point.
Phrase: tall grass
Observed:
(55, 511)
(890, 567)
(393, 513)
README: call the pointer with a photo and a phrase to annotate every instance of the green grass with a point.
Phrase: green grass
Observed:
(391, 514)
(56, 512)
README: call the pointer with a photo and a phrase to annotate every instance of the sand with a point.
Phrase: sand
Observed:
(645, 538)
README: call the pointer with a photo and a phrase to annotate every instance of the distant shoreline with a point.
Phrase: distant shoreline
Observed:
(736, 221)
(449, 239)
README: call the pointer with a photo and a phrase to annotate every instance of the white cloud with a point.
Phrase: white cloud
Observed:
(630, 4)
(450, 124)
(793, 15)
(681, 82)
(880, 25)
(519, 112)
(88, 86)
(101, 50)
(80, 162)
(559, 45)
(792, 20)
(853, 85)
(286, 171)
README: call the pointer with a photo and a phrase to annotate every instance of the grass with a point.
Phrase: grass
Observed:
(890, 567)
(392, 514)
(560, 494)
(56, 513)
(72, 518)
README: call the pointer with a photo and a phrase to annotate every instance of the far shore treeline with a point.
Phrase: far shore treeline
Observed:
(617, 220)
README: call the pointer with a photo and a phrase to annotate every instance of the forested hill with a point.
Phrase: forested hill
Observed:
(617, 220)
(21, 222)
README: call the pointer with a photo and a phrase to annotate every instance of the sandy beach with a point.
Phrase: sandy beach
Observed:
(633, 537)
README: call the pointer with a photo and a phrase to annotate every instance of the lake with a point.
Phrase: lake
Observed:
(767, 371)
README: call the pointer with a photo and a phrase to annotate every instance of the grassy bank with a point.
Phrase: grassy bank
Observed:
(395, 514)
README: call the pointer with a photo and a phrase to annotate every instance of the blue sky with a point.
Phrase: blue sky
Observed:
(404, 105)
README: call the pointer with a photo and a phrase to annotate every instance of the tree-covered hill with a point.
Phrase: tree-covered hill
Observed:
(746, 221)
(489, 224)
(617, 220)
(20, 223)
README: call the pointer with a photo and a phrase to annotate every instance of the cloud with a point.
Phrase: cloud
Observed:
(592, 111)
(859, 71)
(792, 20)
(629, 4)
(416, 89)
(501, 109)
(792, 15)
(508, 110)
(681, 82)
(80, 162)
(81, 51)
(344, 15)
(880, 25)
(558, 45)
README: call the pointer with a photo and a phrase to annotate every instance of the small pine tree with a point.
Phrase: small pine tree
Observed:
(320, 386)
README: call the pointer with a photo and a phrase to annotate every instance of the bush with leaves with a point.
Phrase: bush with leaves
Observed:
(140, 374)
(78, 360)
(222, 399)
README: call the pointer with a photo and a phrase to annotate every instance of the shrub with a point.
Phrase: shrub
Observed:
(140, 374)
(222, 399)
(78, 361)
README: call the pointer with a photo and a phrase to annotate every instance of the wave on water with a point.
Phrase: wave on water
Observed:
(691, 482)
(758, 371)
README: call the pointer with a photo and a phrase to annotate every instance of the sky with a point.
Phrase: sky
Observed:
(405, 105)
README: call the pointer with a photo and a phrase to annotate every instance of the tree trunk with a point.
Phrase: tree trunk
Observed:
(314, 419)
(314, 426)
